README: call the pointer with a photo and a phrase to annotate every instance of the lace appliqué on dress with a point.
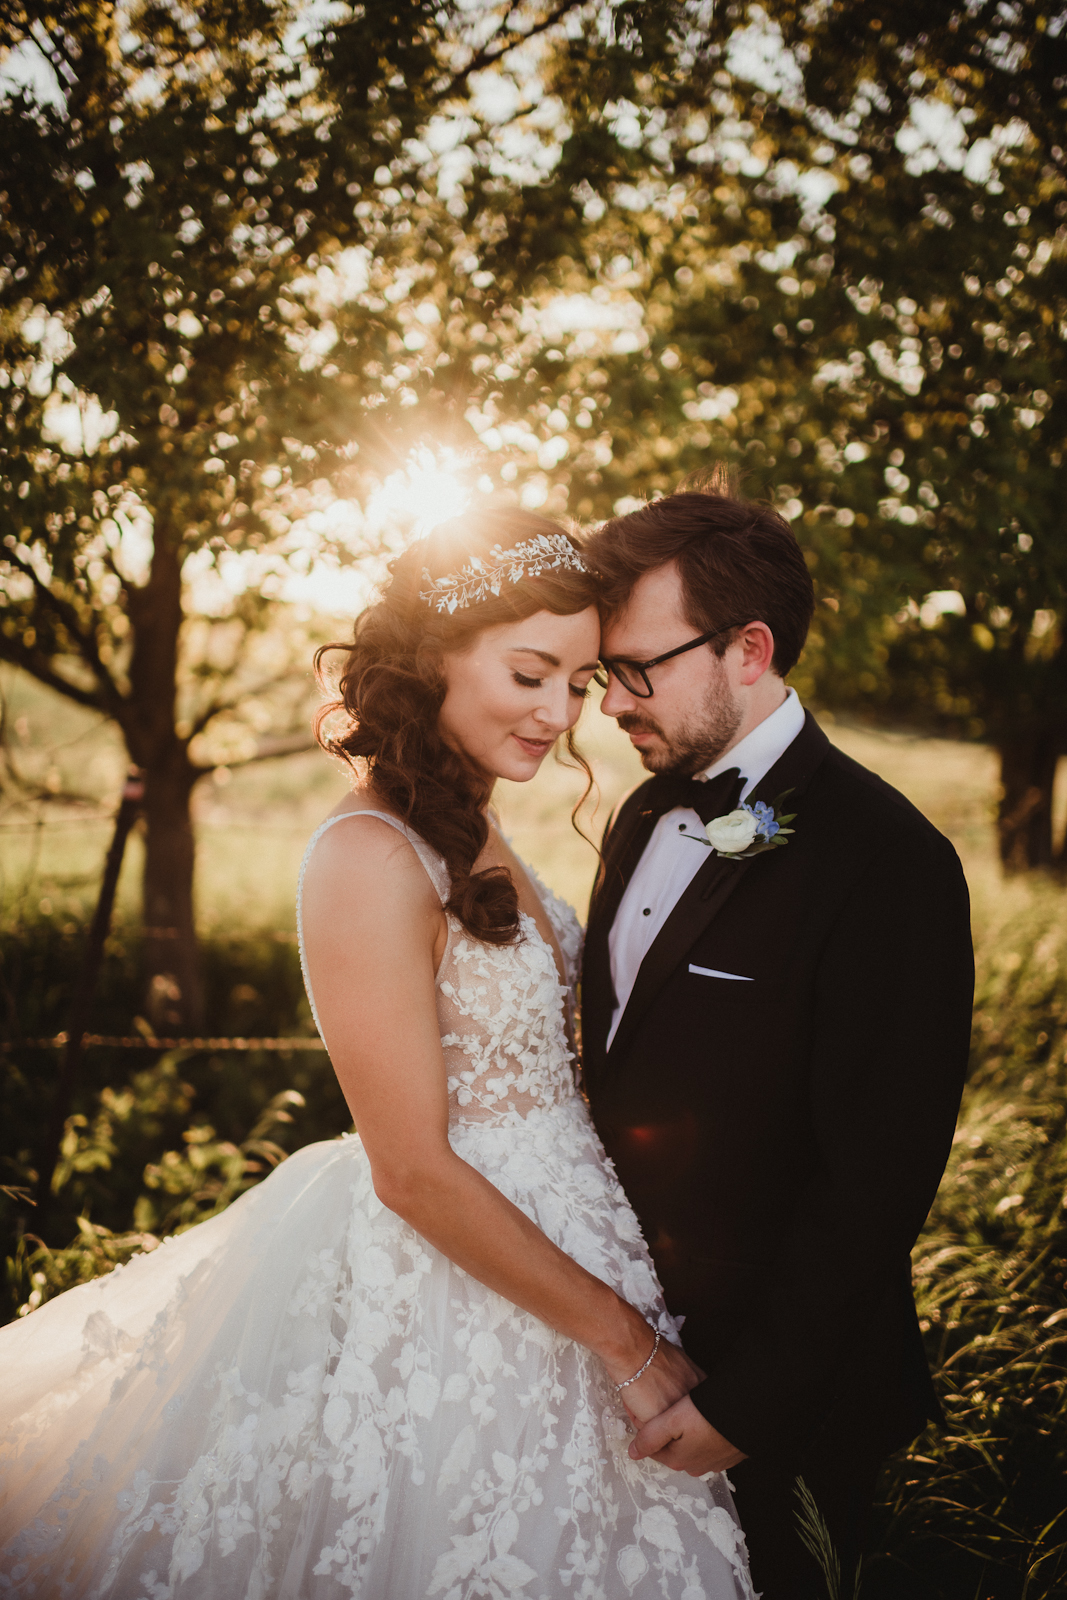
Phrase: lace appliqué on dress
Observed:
(501, 1013)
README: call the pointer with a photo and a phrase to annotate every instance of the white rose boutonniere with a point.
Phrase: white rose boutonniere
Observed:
(750, 830)
(731, 834)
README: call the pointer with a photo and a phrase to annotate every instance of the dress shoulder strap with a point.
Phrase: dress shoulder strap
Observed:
(436, 871)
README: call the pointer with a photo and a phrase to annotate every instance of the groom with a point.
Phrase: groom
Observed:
(775, 1034)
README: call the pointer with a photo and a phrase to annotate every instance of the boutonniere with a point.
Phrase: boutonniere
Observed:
(750, 830)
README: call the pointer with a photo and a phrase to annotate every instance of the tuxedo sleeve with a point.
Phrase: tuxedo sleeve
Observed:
(890, 1035)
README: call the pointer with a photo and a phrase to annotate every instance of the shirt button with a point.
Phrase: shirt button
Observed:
(647, 912)
(681, 827)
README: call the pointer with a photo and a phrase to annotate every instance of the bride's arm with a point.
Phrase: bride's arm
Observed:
(373, 933)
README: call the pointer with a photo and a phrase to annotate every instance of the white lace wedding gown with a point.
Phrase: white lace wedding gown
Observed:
(301, 1399)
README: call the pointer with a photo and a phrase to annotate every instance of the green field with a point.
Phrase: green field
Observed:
(252, 823)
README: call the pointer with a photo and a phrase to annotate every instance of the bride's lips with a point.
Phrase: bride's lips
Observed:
(534, 747)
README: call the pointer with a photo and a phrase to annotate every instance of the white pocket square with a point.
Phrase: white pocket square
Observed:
(710, 972)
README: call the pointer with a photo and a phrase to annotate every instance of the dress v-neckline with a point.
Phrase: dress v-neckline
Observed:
(551, 941)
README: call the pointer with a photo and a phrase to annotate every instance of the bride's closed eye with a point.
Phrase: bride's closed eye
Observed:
(535, 683)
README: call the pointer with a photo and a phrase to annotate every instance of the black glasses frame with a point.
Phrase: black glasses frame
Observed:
(616, 663)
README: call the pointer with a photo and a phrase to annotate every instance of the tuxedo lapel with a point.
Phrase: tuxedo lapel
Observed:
(622, 851)
(625, 844)
(713, 885)
(701, 903)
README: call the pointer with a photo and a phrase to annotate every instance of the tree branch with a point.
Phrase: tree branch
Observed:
(36, 665)
(68, 617)
(56, 47)
(216, 707)
(291, 744)
(488, 57)
(55, 54)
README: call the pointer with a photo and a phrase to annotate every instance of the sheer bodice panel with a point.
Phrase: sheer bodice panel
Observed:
(502, 1009)
(502, 1029)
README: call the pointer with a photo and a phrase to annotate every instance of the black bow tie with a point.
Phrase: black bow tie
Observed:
(712, 797)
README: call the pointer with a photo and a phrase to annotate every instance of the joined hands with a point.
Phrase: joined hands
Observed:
(682, 1438)
(670, 1428)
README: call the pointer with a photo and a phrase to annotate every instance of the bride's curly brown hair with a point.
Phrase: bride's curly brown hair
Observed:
(392, 687)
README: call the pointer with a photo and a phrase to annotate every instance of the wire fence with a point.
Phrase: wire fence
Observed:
(44, 825)
(109, 1041)
(100, 819)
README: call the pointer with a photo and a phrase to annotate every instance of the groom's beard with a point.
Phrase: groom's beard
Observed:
(695, 743)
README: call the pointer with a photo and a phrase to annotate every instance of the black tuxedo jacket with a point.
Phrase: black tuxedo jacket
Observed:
(782, 1140)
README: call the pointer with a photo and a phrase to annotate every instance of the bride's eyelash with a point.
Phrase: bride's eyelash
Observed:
(535, 683)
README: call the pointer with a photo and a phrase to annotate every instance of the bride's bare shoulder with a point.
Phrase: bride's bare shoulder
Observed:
(359, 854)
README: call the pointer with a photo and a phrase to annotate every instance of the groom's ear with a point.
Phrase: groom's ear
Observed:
(755, 642)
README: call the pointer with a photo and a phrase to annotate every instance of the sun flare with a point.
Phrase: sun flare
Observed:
(429, 490)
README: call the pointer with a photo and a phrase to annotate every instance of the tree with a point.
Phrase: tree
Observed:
(958, 269)
(254, 263)
(241, 275)
(844, 226)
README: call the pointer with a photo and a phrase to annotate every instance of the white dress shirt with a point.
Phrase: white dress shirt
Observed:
(671, 859)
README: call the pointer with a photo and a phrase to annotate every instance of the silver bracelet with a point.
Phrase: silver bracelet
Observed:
(619, 1387)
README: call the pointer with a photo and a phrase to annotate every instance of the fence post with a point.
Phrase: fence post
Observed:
(81, 1008)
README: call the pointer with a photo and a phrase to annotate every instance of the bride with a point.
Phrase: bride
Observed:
(405, 1364)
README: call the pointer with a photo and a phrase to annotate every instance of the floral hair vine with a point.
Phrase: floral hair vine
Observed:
(479, 579)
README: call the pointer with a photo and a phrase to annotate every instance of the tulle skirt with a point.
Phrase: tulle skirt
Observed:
(302, 1399)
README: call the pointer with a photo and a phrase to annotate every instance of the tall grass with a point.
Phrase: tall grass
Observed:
(979, 1511)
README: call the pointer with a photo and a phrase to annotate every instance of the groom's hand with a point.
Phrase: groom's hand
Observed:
(684, 1439)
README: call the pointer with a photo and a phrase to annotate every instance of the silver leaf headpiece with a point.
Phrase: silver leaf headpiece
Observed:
(479, 579)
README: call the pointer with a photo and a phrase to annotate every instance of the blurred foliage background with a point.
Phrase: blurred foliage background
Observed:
(282, 283)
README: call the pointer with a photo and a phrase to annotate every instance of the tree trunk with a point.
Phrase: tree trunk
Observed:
(175, 1000)
(1027, 774)
(175, 997)
(81, 1010)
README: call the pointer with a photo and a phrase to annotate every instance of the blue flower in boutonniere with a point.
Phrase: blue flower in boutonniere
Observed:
(750, 830)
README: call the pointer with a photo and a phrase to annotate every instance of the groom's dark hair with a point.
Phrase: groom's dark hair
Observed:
(738, 560)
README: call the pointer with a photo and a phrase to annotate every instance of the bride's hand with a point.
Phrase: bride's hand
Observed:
(670, 1376)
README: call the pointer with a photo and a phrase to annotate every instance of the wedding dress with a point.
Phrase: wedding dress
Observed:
(301, 1399)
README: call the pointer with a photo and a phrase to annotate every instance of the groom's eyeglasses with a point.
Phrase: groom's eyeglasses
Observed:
(633, 675)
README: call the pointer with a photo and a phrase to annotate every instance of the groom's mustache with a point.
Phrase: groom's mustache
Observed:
(629, 722)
